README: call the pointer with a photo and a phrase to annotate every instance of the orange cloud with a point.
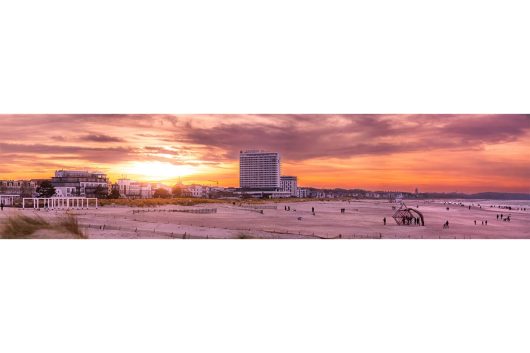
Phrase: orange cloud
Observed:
(433, 152)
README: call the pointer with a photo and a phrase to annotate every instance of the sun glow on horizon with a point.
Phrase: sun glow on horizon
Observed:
(158, 171)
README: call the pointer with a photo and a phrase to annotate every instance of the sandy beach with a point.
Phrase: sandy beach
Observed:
(362, 219)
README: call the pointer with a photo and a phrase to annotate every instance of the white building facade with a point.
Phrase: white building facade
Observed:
(289, 184)
(303, 193)
(18, 187)
(195, 190)
(259, 170)
(72, 183)
(133, 189)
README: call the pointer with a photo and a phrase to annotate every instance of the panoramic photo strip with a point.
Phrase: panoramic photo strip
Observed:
(262, 176)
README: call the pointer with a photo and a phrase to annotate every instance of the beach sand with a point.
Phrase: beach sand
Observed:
(362, 219)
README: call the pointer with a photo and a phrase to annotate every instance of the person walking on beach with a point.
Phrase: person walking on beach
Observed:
(384, 221)
(486, 222)
(2, 206)
(475, 222)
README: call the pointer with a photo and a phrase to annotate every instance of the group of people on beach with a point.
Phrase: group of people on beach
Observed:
(510, 208)
(409, 220)
(505, 219)
(483, 222)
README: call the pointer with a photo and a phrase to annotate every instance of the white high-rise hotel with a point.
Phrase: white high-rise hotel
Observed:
(259, 170)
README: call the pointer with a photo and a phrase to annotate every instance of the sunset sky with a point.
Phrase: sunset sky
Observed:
(465, 153)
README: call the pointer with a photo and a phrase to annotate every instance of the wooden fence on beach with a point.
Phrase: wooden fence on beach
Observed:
(194, 210)
(260, 207)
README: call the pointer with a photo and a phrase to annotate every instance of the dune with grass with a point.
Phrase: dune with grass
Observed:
(21, 226)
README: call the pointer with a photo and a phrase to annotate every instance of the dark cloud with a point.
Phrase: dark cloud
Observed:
(100, 138)
(344, 136)
(487, 129)
(217, 138)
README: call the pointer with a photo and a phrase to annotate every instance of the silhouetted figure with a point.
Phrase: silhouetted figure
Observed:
(2, 206)
(486, 222)
(384, 221)
(482, 222)
(313, 209)
(475, 222)
(497, 217)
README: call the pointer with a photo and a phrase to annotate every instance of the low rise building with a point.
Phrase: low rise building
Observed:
(303, 193)
(196, 190)
(134, 189)
(23, 188)
(289, 184)
(262, 194)
(76, 183)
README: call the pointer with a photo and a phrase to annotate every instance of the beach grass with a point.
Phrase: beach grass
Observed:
(244, 236)
(188, 201)
(71, 225)
(24, 227)
(19, 226)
